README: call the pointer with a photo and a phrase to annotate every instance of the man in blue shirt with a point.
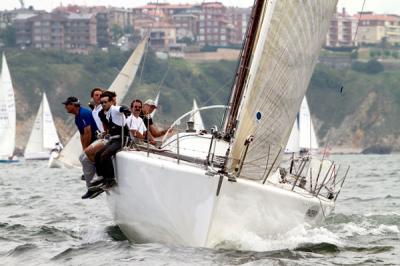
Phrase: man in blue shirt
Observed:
(87, 128)
(83, 120)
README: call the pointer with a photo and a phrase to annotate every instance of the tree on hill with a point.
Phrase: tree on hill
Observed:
(371, 67)
(8, 35)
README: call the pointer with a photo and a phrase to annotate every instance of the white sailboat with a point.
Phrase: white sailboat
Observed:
(70, 154)
(156, 102)
(43, 137)
(302, 137)
(196, 118)
(7, 115)
(201, 189)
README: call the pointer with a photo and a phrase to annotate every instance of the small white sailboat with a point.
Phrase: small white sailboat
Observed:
(302, 137)
(204, 189)
(43, 137)
(7, 115)
(156, 102)
(69, 156)
(196, 118)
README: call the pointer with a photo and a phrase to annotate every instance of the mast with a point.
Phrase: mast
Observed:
(243, 67)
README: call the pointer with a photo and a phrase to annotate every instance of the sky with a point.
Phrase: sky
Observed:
(378, 6)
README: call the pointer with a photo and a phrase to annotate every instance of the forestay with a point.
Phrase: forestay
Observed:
(69, 155)
(7, 113)
(289, 38)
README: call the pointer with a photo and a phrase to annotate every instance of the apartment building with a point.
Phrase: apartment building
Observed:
(342, 29)
(121, 17)
(56, 31)
(7, 17)
(45, 30)
(186, 25)
(80, 32)
(214, 28)
(374, 27)
(161, 9)
(238, 17)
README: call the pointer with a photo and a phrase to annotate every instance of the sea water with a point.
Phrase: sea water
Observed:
(44, 221)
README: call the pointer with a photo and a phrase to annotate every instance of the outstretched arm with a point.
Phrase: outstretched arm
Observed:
(157, 133)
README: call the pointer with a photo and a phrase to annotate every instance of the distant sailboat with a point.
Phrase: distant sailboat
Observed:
(156, 101)
(7, 115)
(302, 137)
(198, 124)
(43, 137)
(70, 154)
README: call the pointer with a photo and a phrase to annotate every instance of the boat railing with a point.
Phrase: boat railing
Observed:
(170, 145)
(317, 176)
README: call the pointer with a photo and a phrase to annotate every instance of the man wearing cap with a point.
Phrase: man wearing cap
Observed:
(87, 128)
(148, 107)
(83, 120)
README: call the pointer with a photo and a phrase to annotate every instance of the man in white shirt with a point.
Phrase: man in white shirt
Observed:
(96, 94)
(134, 122)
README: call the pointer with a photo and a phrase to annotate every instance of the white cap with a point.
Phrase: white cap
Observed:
(150, 102)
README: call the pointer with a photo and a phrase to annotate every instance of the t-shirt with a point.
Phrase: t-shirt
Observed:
(147, 120)
(96, 117)
(85, 119)
(135, 123)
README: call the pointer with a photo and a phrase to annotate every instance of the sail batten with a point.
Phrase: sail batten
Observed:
(284, 59)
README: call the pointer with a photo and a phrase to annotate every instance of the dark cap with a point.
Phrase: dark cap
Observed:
(72, 100)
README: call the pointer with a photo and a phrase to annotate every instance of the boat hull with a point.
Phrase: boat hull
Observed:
(159, 200)
(38, 156)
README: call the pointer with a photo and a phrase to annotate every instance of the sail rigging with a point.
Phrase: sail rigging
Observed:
(289, 38)
(44, 135)
(7, 113)
(69, 155)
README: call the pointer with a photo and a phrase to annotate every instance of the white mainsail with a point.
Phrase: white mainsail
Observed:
(7, 113)
(70, 154)
(302, 136)
(282, 64)
(196, 118)
(44, 135)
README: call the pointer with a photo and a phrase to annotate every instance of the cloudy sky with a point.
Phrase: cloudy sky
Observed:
(380, 6)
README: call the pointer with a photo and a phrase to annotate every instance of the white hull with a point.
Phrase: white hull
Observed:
(38, 156)
(181, 205)
(53, 162)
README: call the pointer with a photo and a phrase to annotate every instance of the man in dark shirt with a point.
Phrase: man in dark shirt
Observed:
(87, 128)
(148, 107)
(114, 120)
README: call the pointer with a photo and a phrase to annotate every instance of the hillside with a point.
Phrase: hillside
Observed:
(364, 114)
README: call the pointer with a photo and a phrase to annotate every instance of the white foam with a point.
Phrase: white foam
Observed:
(366, 228)
(94, 233)
(290, 240)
